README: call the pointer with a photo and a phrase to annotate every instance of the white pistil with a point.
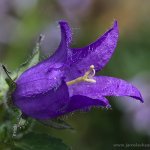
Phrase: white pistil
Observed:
(85, 78)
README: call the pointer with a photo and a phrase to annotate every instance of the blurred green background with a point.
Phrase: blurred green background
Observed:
(21, 21)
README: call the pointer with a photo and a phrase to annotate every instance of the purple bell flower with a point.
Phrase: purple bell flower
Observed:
(66, 81)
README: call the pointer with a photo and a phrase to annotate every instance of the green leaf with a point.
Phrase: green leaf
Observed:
(3, 85)
(5, 132)
(34, 141)
(56, 123)
(9, 80)
(33, 60)
(11, 84)
(15, 148)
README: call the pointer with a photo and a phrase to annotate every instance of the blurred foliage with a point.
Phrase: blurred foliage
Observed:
(34, 141)
(99, 128)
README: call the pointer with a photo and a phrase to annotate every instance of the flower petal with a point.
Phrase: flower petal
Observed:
(44, 105)
(38, 80)
(97, 53)
(105, 86)
(79, 102)
(60, 56)
(50, 70)
(37, 86)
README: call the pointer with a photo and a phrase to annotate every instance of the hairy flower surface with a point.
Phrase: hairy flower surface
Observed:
(66, 81)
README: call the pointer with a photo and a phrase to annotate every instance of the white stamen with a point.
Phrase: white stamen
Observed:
(85, 78)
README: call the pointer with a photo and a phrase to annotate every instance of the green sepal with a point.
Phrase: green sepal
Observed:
(11, 87)
(3, 86)
(56, 123)
(33, 60)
